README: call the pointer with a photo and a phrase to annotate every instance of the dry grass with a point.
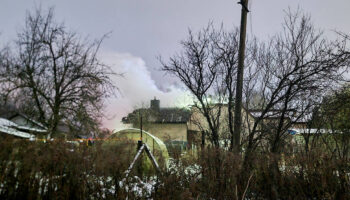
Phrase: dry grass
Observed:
(58, 170)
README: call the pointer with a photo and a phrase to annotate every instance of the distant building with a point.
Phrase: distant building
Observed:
(168, 124)
(177, 125)
(26, 124)
(198, 128)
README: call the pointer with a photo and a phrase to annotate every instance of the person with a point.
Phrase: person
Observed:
(90, 141)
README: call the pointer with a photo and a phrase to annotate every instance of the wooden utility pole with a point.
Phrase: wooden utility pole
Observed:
(239, 87)
(140, 124)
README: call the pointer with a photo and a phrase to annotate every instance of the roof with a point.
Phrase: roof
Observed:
(7, 123)
(172, 115)
(28, 119)
(312, 131)
(163, 115)
(274, 114)
(11, 128)
(268, 114)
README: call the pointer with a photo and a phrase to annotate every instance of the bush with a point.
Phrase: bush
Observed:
(59, 170)
(224, 175)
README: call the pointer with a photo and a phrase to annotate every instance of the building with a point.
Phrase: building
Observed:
(176, 125)
(198, 126)
(168, 124)
(18, 125)
(13, 130)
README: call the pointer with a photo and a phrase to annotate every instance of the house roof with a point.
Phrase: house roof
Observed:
(172, 115)
(163, 115)
(274, 114)
(11, 128)
(269, 114)
(7, 123)
(28, 119)
(298, 131)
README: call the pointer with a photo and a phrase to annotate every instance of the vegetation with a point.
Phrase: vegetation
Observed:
(332, 118)
(59, 170)
(54, 76)
(288, 79)
(289, 74)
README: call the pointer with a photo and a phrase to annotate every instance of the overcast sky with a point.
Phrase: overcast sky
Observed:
(141, 30)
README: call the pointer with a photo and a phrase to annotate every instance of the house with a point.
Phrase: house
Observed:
(198, 125)
(28, 125)
(13, 130)
(18, 125)
(168, 124)
(178, 125)
(173, 125)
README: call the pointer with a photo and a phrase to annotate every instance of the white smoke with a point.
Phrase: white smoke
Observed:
(136, 89)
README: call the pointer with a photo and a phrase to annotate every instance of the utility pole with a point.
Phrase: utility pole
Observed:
(140, 124)
(240, 70)
(139, 142)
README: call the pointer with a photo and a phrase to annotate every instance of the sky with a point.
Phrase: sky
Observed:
(142, 30)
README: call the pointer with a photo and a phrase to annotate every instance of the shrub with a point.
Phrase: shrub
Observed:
(60, 170)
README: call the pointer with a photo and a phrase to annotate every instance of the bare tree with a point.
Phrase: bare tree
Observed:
(225, 51)
(288, 75)
(207, 67)
(295, 69)
(55, 73)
